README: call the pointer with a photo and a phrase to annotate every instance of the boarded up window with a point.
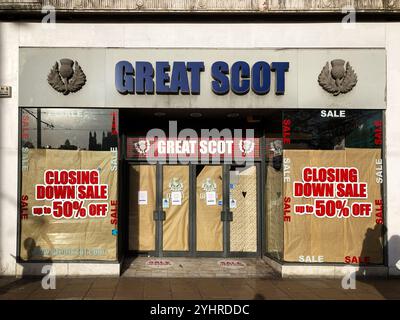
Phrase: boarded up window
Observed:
(142, 203)
(176, 207)
(334, 206)
(68, 217)
(69, 171)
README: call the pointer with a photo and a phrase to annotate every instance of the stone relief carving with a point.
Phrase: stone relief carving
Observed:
(339, 79)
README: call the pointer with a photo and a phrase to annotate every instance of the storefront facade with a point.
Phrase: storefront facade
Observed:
(274, 141)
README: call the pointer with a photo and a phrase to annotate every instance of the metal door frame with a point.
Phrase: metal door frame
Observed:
(226, 214)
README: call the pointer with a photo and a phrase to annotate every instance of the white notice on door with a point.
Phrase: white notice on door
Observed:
(232, 204)
(211, 198)
(176, 198)
(142, 197)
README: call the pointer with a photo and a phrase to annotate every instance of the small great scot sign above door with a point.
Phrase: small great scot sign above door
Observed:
(192, 149)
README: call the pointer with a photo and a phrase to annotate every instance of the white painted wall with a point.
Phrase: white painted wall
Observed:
(393, 145)
(9, 38)
(363, 35)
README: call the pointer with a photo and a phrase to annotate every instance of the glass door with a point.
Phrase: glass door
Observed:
(200, 210)
(175, 204)
(209, 204)
(243, 205)
(142, 204)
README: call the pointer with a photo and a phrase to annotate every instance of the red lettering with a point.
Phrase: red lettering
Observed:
(315, 174)
(286, 209)
(378, 132)
(54, 192)
(49, 177)
(24, 207)
(71, 177)
(351, 190)
(356, 260)
(379, 211)
(286, 131)
(92, 192)
(114, 212)
(314, 190)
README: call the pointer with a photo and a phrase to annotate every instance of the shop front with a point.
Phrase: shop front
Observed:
(193, 201)
(274, 154)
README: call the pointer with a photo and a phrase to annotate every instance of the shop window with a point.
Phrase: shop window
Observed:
(273, 198)
(332, 129)
(331, 178)
(68, 196)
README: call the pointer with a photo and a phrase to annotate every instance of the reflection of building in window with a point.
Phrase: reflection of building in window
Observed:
(108, 141)
(93, 145)
(68, 146)
(50, 128)
(28, 144)
(309, 130)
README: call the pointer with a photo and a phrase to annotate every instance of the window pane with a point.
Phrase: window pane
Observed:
(333, 178)
(69, 203)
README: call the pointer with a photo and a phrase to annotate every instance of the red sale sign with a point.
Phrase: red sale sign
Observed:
(68, 190)
(332, 206)
(335, 183)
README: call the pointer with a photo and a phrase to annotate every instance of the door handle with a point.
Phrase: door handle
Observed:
(226, 215)
(158, 215)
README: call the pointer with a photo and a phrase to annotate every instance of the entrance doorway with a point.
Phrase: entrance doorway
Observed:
(209, 205)
(194, 210)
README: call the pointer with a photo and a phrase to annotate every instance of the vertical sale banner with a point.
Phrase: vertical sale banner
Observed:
(69, 206)
(333, 206)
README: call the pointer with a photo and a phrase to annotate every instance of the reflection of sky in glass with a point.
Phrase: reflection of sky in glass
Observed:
(71, 124)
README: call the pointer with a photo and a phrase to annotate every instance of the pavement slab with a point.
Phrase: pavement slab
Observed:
(133, 288)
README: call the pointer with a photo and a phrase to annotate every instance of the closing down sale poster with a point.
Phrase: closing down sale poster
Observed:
(69, 205)
(333, 206)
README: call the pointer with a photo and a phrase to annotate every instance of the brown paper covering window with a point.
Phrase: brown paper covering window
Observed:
(47, 238)
(243, 232)
(141, 222)
(208, 218)
(334, 238)
(176, 224)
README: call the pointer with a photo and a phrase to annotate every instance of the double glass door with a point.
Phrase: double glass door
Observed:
(193, 210)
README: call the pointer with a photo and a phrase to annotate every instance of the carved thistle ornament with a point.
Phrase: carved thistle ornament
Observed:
(64, 78)
(339, 79)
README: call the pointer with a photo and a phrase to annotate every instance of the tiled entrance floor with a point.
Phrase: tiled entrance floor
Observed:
(144, 267)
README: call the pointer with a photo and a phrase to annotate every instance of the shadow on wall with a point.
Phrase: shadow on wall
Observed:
(372, 245)
(394, 242)
(34, 252)
(389, 288)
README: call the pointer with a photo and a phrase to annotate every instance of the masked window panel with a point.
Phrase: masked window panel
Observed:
(142, 203)
(274, 198)
(176, 206)
(208, 208)
(332, 186)
(243, 204)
